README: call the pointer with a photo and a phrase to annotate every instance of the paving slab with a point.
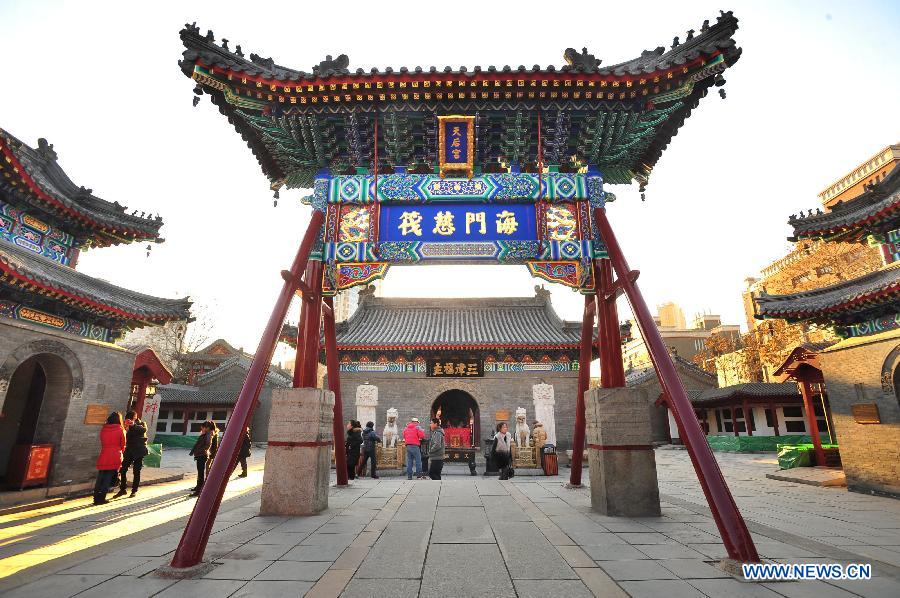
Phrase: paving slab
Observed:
(636, 570)
(250, 551)
(272, 589)
(673, 588)
(614, 552)
(237, 569)
(461, 525)
(57, 586)
(534, 588)
(670, 551)
(292, 571)
(529, 555)
(399, 553)
(732, 587)
(693, 569)
(336, 540)
(808, 589)
(313, 553)
(201, 588)
(481, 572)
(129, 587)
(599, 583)
(393, 588)
(105, 565)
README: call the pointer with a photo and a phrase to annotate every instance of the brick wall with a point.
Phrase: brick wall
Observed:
(413, 394)
(79, 373)
(870, 452)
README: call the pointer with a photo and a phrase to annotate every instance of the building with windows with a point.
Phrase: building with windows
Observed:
(681, 341)
(859, 307)
(62, 370)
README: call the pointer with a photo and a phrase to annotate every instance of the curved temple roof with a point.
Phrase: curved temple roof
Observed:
(875, 211)
(23, 268)
(35, 176)
(841, 303)
(434, 324)
(617, 118)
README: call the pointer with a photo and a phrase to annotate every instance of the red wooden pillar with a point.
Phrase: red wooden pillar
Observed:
(312, 326)
(774, 418)
(735, 535)
(301, 335)
(141, 396)
(584, 379)
(199, 526)
(334, 384)
(746, 409)
(609, 340)
(811, 423)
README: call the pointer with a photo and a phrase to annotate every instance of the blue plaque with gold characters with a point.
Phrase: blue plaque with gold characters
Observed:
(456, 144)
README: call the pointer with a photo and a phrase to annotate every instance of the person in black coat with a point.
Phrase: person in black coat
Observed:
(370, 441)
(200, 452)
(133, 455)
(244, 453)
(352, 444)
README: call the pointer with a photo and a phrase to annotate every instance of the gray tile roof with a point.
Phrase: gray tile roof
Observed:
(116, 302)
(437, 323)
(638, 376)
(839, 301)
(179, 393)
(750, 390)
(717, 37)
(41, 165)
(877, 210)
(275, 375)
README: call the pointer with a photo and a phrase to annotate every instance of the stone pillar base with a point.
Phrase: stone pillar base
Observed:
(298, 458)
(622, 462)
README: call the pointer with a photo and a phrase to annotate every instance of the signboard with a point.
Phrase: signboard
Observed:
(456, 144)
(96, 414)
(458, 222)
(501, 416)
(454, 368)
(151, 414)
(865, 413)
(39, 463)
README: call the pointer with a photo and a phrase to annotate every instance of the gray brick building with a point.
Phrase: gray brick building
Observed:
(501, 353)
(61, 373)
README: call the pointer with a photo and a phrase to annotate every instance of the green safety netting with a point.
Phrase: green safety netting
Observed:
(176, 440)
(757, 444)
(797, 455)
(154, 456)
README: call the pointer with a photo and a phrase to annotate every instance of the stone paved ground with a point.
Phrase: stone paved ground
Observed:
(480, 537)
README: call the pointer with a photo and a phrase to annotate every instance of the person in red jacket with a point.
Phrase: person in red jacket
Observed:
(112, 443)
(413, 435)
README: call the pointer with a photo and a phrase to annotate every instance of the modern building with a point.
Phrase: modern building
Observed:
(61, 371)
(861, 371)
(682, 341)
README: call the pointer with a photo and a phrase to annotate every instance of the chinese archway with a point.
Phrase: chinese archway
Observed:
(485, 165)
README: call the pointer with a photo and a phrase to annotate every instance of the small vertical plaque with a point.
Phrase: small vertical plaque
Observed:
(865, 413)
(456, 144)
(96, 415)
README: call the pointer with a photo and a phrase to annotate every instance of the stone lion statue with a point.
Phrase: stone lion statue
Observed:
(390, 433)
(523, 434)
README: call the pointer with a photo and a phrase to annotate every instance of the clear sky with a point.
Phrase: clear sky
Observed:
(815, 92)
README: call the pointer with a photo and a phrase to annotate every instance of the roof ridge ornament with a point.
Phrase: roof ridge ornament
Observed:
(332, 65)
(45, 149)
(581, 59)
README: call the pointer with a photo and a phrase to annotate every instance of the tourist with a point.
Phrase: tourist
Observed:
(370, 441)
(539, 436)
(135, 451)
(413, 436)
(435, 449)
(352, 444)
(213, 443)
(112, 443)
(244, 452)
(502, 450)
(200, 452)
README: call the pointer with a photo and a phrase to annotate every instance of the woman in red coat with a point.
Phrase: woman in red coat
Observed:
(112, 443)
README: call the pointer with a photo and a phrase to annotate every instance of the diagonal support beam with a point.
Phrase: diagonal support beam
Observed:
(732, 528)
(199, 526)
